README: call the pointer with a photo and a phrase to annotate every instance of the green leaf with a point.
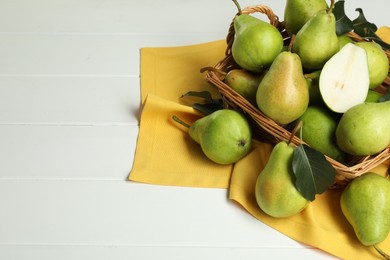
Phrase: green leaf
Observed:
(314, 174)
(385, 97)
(367, 29)
(363, 27)
(209, 104)
(343, 23)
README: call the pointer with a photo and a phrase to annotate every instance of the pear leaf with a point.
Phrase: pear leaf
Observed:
(363, 27)
(314, 174)
(343, 23)
(385, 97)
(367, 29)
(209, 104)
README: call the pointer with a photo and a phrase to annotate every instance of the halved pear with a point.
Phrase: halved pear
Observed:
(344, 79)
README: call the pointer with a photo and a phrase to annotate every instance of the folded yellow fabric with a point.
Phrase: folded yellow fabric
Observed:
(384, 33)
(165, 155)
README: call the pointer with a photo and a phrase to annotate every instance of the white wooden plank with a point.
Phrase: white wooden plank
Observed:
(116, 252)
(66, 152)
(83, 55)
(118, 16)
(69, 100)
(118, 213)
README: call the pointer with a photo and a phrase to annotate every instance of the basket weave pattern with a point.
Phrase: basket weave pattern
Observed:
(269, 129)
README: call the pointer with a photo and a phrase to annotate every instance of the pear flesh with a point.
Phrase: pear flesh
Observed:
(365, 203)
(256, 43)
(364, 129)
(275, 189)
(283, 94)
(224, 136)
(344, 79)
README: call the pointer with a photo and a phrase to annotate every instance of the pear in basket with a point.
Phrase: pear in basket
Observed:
(317, 41)
(378, 63)
(256, 42)
(283, 94)
(365, 129)
(298, 12)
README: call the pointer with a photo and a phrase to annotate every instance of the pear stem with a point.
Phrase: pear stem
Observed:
(238, 7)
(178, 120)
(332, 3)
(386, 256)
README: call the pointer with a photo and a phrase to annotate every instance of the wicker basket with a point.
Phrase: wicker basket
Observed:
(265, 127)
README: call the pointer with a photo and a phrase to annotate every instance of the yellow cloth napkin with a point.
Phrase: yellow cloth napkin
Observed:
(165, 154)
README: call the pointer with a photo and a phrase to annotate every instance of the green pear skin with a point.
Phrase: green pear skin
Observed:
(298, 12)
(224, 136)
(244, 83)
(275, 190)
(373, 96)
(256, 43)
(317, 40)
(318, 131)
(283, 94)
(378, 63)
(313, 79)
(364, 129)
(365, 203)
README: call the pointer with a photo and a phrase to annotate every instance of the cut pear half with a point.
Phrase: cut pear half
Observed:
(344, 79)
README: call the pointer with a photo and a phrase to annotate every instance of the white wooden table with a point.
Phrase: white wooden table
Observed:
(69, 117)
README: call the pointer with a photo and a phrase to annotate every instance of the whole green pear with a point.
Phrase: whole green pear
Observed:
(244, 83)
(364, 129)
(317, 41)
(365, 203)
(275, 190)
(373, 96)
(378, 63)
(318, 131)
(283, 94)
(224, 136)
(298, 12)
(256, 43)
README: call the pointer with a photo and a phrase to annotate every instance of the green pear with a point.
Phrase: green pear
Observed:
(313, 81)
(373, 96)
(378, 63)
(283, 94)
(364, 129)
(344, 79)
(275, 189)
(225, 135)
(256, 42)
(316, 42)
(298, 12)
(365, 203)
(244, 83)
(318, 131)
(343, 40)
